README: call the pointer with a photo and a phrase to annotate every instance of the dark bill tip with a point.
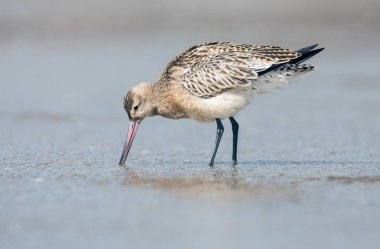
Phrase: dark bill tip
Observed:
(133, 127)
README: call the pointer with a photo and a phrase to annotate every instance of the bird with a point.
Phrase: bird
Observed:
(213, 81)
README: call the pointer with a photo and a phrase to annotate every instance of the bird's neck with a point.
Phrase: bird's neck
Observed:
(165, 102)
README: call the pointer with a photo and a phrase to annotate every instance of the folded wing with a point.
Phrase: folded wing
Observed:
(210, 69)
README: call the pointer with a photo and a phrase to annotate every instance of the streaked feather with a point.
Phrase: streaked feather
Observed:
(209, 69)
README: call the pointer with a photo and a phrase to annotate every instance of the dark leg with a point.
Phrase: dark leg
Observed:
(235, 132)
(219, 133)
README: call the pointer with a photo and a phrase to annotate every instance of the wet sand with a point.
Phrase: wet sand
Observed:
(308, 173)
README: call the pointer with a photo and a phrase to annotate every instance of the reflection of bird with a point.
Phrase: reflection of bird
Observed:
(214, 81)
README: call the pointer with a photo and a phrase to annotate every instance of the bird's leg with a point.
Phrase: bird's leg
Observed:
(219, 133)
(235, 132)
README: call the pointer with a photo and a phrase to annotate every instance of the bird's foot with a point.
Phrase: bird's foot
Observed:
(234, 162)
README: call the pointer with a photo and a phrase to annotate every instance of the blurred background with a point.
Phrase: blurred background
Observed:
(309, 171)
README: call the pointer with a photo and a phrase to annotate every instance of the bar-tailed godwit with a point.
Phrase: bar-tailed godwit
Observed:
(214, 81)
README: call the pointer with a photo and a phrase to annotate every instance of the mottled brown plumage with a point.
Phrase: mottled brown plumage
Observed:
(212, 68)
(214, 81)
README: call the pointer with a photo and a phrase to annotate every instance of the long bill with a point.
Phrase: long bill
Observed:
(133, 126)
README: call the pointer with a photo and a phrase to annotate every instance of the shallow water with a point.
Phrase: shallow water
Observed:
(308, 173)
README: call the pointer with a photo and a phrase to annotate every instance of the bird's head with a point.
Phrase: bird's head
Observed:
(138, 103)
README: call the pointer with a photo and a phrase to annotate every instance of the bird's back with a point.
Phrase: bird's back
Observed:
(210, 69)
(218, 79)
(202, 52)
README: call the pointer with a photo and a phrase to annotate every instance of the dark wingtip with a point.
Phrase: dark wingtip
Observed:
(321, 49)
(306, 55)
(306, 49)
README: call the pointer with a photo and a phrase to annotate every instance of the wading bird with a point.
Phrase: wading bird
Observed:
(214, 81)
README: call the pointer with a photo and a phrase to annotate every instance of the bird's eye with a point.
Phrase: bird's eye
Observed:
(136, 107)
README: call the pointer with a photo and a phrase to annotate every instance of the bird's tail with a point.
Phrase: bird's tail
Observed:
(281, 75)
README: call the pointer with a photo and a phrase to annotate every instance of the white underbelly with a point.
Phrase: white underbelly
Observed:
(222, 106)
